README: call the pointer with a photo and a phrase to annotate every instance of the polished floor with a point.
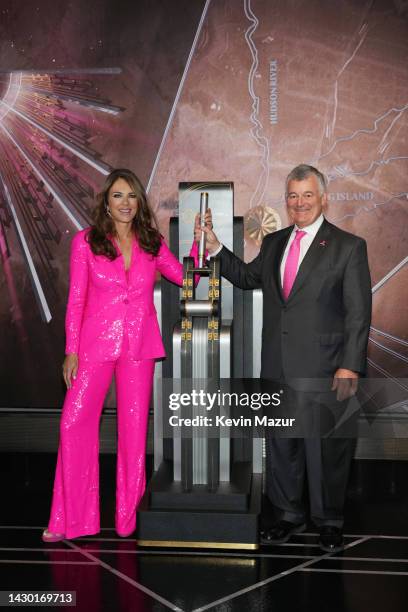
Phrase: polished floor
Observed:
(108, 573)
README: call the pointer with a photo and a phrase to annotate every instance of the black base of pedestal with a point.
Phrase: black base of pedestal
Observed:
(206, 526)
(230, 496)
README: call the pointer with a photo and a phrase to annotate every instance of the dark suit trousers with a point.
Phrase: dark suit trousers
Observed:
(321, 447)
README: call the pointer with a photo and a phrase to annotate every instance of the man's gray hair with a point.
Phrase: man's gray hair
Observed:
(302, 172)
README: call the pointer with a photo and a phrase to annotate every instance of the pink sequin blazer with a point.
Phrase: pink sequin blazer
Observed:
(105, 301)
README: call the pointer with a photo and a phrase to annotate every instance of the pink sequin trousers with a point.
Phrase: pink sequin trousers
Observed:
(75, 504)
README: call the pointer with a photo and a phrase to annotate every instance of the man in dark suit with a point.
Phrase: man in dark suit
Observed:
(316, 318)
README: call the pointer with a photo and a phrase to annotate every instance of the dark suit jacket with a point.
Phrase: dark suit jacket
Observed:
(325, 322)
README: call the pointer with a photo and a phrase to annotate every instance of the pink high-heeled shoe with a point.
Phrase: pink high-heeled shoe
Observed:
(47, 536)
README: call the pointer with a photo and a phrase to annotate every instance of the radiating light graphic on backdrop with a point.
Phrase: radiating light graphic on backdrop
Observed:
(46, 165)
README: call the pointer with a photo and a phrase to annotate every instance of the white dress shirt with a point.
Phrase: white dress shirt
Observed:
(218, 250)
(311, 231)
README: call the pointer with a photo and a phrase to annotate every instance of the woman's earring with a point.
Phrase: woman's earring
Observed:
(107, 211)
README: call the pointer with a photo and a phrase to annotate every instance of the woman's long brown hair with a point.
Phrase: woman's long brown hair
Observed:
(144, 224)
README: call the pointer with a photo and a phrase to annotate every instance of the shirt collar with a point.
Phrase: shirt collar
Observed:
(313, 228)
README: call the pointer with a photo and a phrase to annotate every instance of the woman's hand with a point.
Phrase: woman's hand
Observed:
(70, 368)
(211, 242)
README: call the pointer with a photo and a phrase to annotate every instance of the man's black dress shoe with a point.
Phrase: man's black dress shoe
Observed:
(281, 532)
(331, 538)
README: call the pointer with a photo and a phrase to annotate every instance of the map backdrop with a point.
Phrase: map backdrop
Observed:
(209, 90)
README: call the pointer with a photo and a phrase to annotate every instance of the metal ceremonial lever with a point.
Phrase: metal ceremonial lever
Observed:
(208, 309)
(201, 247)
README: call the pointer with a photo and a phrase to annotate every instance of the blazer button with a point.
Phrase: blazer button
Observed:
(284, 333)
(126, 301)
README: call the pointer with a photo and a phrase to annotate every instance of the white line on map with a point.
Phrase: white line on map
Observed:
(256, 131)
(363, 130)
(178, 94)
(362, 34)
(381, 147)
(388, 350)
(389, 336)
(368, 209)
(390, 274)
(377, 162)
(386, 373)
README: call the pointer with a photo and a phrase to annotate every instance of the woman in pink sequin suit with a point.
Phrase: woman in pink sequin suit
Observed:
(111, 328)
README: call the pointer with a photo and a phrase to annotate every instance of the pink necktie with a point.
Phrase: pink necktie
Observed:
(291, 264)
